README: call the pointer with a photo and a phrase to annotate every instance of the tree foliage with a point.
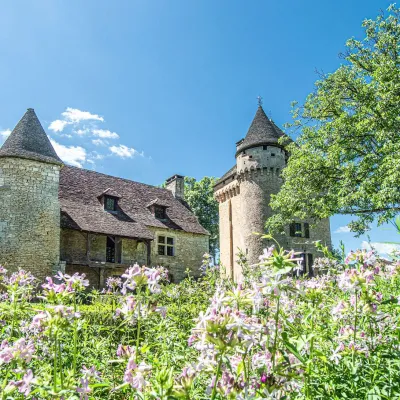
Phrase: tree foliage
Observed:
(346, 159)
(200, 197)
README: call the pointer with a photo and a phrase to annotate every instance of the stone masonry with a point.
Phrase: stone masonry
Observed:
(29, 215)
(56, 217)
(244, 195)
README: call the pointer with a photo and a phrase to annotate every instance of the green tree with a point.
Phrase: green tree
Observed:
(346, 159)
(200, 197)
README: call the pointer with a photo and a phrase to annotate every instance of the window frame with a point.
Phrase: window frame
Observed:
(164, 245)
(114, 199)
(162, 209)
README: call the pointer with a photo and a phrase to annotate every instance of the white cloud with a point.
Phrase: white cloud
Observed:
(103, 133)
(73, 115)
(73, 155)
(123, 151)
(381, 248)
(343, 229)
(99, 142)
(4, 134)
(81, 132)
(58, 125)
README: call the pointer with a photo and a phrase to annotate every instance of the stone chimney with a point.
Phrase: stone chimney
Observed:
(176, 184)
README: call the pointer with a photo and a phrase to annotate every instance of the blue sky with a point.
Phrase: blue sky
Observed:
(146, 89)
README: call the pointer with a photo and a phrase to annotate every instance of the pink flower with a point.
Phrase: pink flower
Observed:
(24, 385)
(6, 354)
(24, 350)
(84, 389)
(134, 374)
(127, 351)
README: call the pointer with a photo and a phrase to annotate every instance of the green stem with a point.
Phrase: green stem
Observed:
(138, 333)
(60, 364)
(55, 363)
(214, 391)
(14, 314)
(75, 339)
(276, 334)
(309, 366)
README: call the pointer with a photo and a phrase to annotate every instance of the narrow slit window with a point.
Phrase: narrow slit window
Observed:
(307, 230)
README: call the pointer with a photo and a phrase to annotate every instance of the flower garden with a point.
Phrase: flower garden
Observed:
(275, 335)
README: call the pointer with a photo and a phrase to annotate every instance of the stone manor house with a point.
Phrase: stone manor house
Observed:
(244, 194)
(54, 216)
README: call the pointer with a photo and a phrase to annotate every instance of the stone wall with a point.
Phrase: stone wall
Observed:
(29, 215)
(188, 252)
(244, 209)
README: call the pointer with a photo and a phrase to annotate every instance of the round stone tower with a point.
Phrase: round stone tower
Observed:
(244, 195)
(260, 159)
(30, 210)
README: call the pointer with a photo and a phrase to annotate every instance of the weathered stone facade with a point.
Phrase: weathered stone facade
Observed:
(244, 195)
(29, 215)
(188, 250)
(56, 217)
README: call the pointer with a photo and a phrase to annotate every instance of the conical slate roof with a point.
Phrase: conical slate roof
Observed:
(262, 131)
(29, 140)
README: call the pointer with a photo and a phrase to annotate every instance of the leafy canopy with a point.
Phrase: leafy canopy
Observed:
(200, 197)
(347, 158)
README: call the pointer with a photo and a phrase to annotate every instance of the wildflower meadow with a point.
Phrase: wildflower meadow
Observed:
(274, 335)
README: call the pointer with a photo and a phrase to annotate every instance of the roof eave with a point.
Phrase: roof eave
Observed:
(34, 157)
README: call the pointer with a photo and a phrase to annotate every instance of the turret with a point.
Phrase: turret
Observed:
(260, 158)
(244, 195)
(30, 210)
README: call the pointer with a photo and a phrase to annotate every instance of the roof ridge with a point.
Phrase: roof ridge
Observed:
(117, 177)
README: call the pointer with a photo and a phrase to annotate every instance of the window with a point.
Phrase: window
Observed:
(296, 231)
(166, 246)
(113, 249)
(307, 231)
(272, 154)
(265, 147)
(110, 250)
(110, 203)
(159, 212)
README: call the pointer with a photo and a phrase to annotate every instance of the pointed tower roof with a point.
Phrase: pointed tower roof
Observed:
(29, 140)
(262, 131)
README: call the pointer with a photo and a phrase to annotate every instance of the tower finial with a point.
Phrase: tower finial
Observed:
(260, 100)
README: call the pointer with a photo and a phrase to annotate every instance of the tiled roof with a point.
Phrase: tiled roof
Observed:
(229, 174)
(262, 131)
(81, 208)
(29, 140)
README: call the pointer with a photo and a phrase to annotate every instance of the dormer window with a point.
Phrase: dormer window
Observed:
(110, 203)
(160, 212)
